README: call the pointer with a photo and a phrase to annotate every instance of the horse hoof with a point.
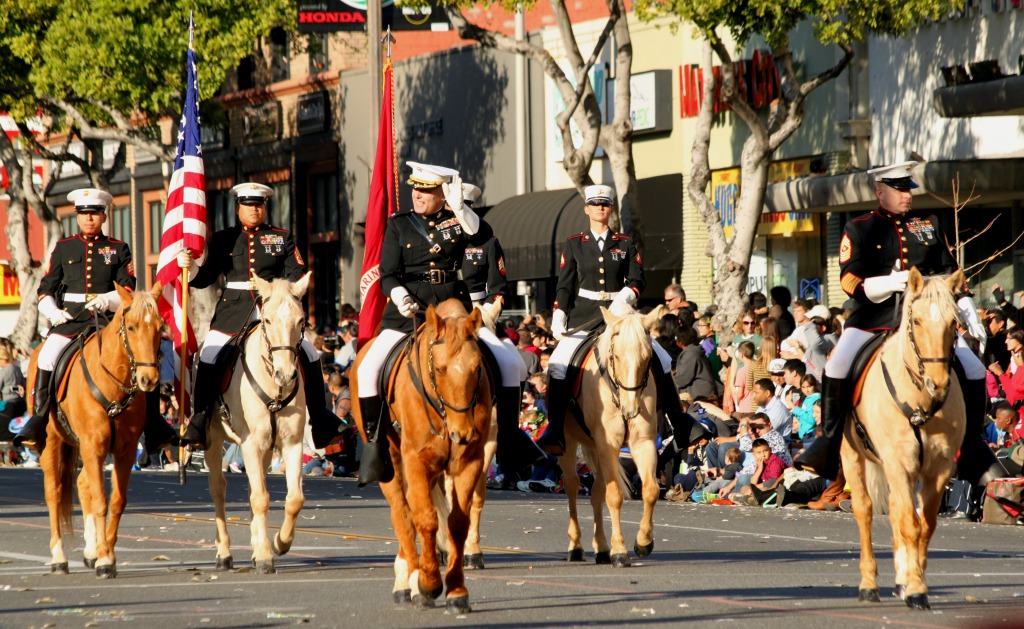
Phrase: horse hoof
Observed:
(279, 547)
(106, 572)
(59, 568)
(602, 558)
(225, 563)
(576, 554)
(900, 592)
(457, 605)
(89, 563)
(473, 562)
(420, 601)
(401, 597)
(264, 566)
(620, 560)
(868, 596)
(918, 601)
(431, 594)
(643, 550)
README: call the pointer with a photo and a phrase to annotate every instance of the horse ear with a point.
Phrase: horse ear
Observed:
(434, 321)
(156, 290)
(955, 282)
(263, 287)
(915, 281)
(473, 322)
(609, 318)
(125, 294)
(652, 318)
(299, 288)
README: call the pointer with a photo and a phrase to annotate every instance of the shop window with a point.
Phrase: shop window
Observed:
(279, 212)
(319, 60)
(325, 202)
(156, 225)
(279, 62)
(246, 74)
(220, 210)
(119, 224)
(69, 224)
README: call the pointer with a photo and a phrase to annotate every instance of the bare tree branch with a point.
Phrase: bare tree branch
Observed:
(562, 120)
(91, 132)
(46, 152)
(729, 94)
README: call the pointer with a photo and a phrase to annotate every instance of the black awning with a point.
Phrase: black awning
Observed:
(533, 227)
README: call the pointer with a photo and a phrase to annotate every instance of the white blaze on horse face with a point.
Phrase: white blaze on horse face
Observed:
(935, 313)
(148, 318)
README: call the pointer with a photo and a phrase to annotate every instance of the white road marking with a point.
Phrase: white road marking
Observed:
(24, 557)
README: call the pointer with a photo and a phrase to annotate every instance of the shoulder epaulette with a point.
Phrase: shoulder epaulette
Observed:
(579, 235)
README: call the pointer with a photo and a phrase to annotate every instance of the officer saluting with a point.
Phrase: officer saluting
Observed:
(249, 248)
(483, 268)
(875, 255)
(601, 268)
(80, 281)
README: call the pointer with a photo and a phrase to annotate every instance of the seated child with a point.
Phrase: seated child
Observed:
(768, 473)
(733, 464)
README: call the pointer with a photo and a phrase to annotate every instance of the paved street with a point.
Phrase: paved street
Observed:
(751, 567)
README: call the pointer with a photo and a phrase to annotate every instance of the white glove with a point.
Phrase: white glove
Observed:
(880, 288)
(559, 321)
(407, 306)
(467, 218)
(969, 314)
(48, 308)
(623, 302)
(105, 301)
(489, 311)
(186, 261)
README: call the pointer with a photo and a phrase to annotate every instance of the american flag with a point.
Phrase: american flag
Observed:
(185, 218)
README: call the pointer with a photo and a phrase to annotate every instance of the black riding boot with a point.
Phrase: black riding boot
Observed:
(324, 424)
(686, 429)
(977, 463)
(204, 394)
(553, 439)
(822, 456)
(375, 466)
(157, 433)
(515, 448)
(33, 433)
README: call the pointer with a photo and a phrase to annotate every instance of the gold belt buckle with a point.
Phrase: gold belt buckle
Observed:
(603, 296)
(90, 296)
(436, 276)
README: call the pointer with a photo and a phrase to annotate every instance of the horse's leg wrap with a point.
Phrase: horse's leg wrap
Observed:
(324, 425)
(822, 456)
(515, 448)
(376, 465)
(34, 431)
(553, 439)
(686, 429)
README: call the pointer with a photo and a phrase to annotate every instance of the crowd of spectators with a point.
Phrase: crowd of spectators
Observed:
(758, 395)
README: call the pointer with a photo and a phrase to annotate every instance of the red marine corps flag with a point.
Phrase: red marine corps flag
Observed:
(383, 201)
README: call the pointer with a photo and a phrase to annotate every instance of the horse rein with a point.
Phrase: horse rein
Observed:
(438, 403)
(276, 403)
(115, 408)
(613, 381)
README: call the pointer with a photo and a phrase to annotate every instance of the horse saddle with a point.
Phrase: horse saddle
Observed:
(228, 356)
(61, 371)
(401, 350)
(579, 358)
(861, 362)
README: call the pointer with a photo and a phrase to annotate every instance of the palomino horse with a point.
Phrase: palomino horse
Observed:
(442, 406)
(912, 434)
(618, 402)
(104, 413)
(264, 407)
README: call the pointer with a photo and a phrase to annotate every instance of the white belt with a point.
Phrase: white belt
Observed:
(597, 295)
(240, 285)
(78, 298)
(478, 296)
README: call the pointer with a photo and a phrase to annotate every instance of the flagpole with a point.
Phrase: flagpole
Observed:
(184, 332)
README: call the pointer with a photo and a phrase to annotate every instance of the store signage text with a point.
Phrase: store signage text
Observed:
(757, 83)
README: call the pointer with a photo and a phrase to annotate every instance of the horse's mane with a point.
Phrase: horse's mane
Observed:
(935, 291)
(143, 300)
(633, 338)
(450, 308)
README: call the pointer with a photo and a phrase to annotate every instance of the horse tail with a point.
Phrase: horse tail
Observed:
(67, 464)
(878, 486)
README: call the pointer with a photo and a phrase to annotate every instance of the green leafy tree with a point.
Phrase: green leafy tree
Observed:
(106, 71)
(842, 23)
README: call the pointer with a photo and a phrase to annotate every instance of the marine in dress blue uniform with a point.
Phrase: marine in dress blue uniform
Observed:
(601, 268)
(875, 255)
(251, 248)
(78, 282)
(483, 268)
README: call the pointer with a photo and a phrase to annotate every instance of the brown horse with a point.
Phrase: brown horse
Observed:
(123, 362)
(618, 402)
(441, 401)
(913, 434)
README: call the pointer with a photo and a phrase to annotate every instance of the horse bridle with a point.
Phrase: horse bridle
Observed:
(918, 416)
(276, 403)
(613, 381)
(440, 405)
(117, 407)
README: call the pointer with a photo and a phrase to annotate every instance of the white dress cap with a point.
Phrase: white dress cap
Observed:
(90, 199)
(895, 176)
(599, 195)
(470, 193)
(428, 175)
(252, 193)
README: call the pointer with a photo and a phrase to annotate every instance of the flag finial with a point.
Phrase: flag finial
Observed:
(191, 29)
